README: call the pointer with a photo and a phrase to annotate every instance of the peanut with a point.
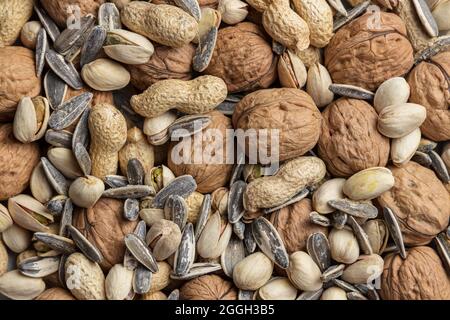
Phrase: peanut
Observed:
(13, 16)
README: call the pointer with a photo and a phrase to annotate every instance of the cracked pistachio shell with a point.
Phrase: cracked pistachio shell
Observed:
(16, 238)
(163, 238)
(105, 75)
(29, 213)
(215, 237)
(393, 91)
(40, 188)
(291, 70)
(318, 83)
(369, 183)
(31, 119)
(128, 47)
(16, 286)
(378, 234)
(85, 191)
(278, 289)
(252, 272)
(64, 160)
(232, 11)
(118, 283)
(329, 190)
(403, 149)
(5, 218)
(344, 246)
(366, 269)
(156, 125)
(398, 120)
(304, 272)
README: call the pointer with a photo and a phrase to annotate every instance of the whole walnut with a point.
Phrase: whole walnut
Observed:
(294, 226)
(291, 111)
(209, 175)
(368, 51)
(165, 63)
(17, 79)
(421, 276)
(243, 58)
(208, 287)
(61, 10)
(350, 141)
(105, 227)
(420, 201)
(56, 294)
(17, 163)
(430, 88)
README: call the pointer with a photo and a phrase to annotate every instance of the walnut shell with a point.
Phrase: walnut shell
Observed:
(208, 176)
(105, 227)
(17, 163)
(243, 58)
(365, 54)
(56, 294)
(430, 88)
(17, 79)
(98, 96)
(59, 10)
(420, 201)
(165, 63)
(350, 141)
(291, 111)
(420, 276)
(208, 287)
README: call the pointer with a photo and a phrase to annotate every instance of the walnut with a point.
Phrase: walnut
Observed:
(421, 276)
(59, 10)
(243, 58)
(209, 176)
(56, 294)
(165, 63)
(430, 87)
(350, 141)
(17, 163)
(291, 111)
(365, 54)
(208, 287)
(17, 79)
(294, 226)
(105, 227)
(99, 96)
(420, 201)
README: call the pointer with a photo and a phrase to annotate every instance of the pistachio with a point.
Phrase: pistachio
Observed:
(156, 128)
(278, 289)
(16, 238)
(334, 293)
(64, 160)
(40, 188)
(291, 70)
(369, 183)
(330, 190)
(404, 148)
(31, 119)
(159, 177)
(4, 258)
(215, 236)
(29, 213)
(391, 92)
(378, 234)
(366, 269)
(398, 120)
(85, 191)
(118, 283)
(105, 75)
(440, 14)
(232, 11)
(163, 237)
(16, 286)
(5, 218)
(319, 81)
(128, 47)
(303, 272)
(252, 272)
(344, 246)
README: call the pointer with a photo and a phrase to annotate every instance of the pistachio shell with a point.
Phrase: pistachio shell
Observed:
(128, 47)
(404, 148)
(16, 286)
(31, 119)
(304, 272)
(64, 160)
(5, 218)
(366, 269)
(105, 75)
(85, 191)
(398, 120)
(40, 188)
(330, 190)
(393, 91)
(278, 289)
(369, 183)
(29, 213)
(344, 246)
(252, 272)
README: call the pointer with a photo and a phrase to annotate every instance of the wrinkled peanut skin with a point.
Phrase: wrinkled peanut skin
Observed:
(17, 163)
(56, 294)
(59, 10)
(420, 202)
(243, 58)
(291, 111)
(350, 141)
(430, 87)
(421, 276)
(363, 56)
(17, 79)
(13, 15)
(105, 227)
(208, 287)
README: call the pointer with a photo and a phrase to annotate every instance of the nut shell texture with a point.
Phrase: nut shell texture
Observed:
(208, 287)
(13, 15)
(59, 12)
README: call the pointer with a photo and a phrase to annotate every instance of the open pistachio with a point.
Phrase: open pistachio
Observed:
(330, 190)
(291, 70)
(5, 218)
(378, 234)
(163, 237)
(16, 286)
(219, 199)
(31, 119)
(29, 213)
(85, 191)
(40, 188)
(159, 177)
(128, 47)
(215, 236)
(318, 83)
(156, 128)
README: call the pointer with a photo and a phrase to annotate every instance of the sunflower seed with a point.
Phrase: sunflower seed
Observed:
(114, 181)
(65, 70)
(129, 261)
(235, 201)
(319, 219)
(339, 219)
(352, 14)
(278, 48)
(333, 272)
(59, 138)
(338, 6)
(441, 44)
(81, 132)
(131, 209)
(141, 230)
(422, 158)
(92, 45)
(238, 168)
(205, 49)
(394, 230)
(203, 215)
(249, 240)
(122, 99)
(355, 296)
(299, 196)
(89, 250)
(346, 90)
(174, 295)
(239, 229)
(109, 16)
(182, 186)
(49, 25)
(141, 252)
(187, 126)
(69, 37)
(41, 49)
(83, 158)
(66, 218)
(135, 172)
(55, 242)
(226, 107)
(69, 111)
(391, 249)
(142, 279)
(269, 241)
(62, 270)
(439, 167)
(347, 287)
(448, 233)
(361, 235)
(133, 192)
(426, 145)
(354, 208)
(37, 267)
(185, 254)
(443, 248)
(56, 178)
(56, 205)
(310, 295)
(233, 253)
(198, 269)
(318, 248)
(372, 294)
(426, 18)
(55, 89)
(176, 209)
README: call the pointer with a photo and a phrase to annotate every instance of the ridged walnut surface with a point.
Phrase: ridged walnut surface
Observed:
(58, 9)
(208, 287)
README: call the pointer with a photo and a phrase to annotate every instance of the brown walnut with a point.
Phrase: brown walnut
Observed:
(98, 96)
(59, 10)
(421, 276)
(291, 111)
(350, 141)
(56, 294)
(208, 287)
(209, 176)
(243, 58)
(17, 163)
(430, 87)
(420, 201)
(365, 54)
(105, 227)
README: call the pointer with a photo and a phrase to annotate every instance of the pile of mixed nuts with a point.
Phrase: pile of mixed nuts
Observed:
(105, 106)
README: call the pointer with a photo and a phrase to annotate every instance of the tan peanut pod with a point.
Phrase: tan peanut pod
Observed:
(285, 26)
(310, 56)
(108, 130)
(259, 5)
(136, 147)
(13, 15)
(319, 17)
(195, 96)
(165, 24)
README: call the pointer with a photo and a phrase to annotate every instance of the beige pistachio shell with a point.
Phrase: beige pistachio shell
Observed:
(369, 183)
(85, 191)
(5, 218)
(105, 75)
(128, 47)
(16, 286)
(64, 160)
(17, 239)
(378, 234)
(366, 270)
(304, 272)
(29, 213)
(118, 283)
(163, 237)
(214, 238)
(252, 272)
(4, 258)
(398, 120)
(344, 246)
(151, 215)
(31, 119)
(28, 35)
(291, 70)
(329, 190)
(393, 91)
(317, 85)
(403, 149)
(40, 188)
(278, 289)
(334, 293)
